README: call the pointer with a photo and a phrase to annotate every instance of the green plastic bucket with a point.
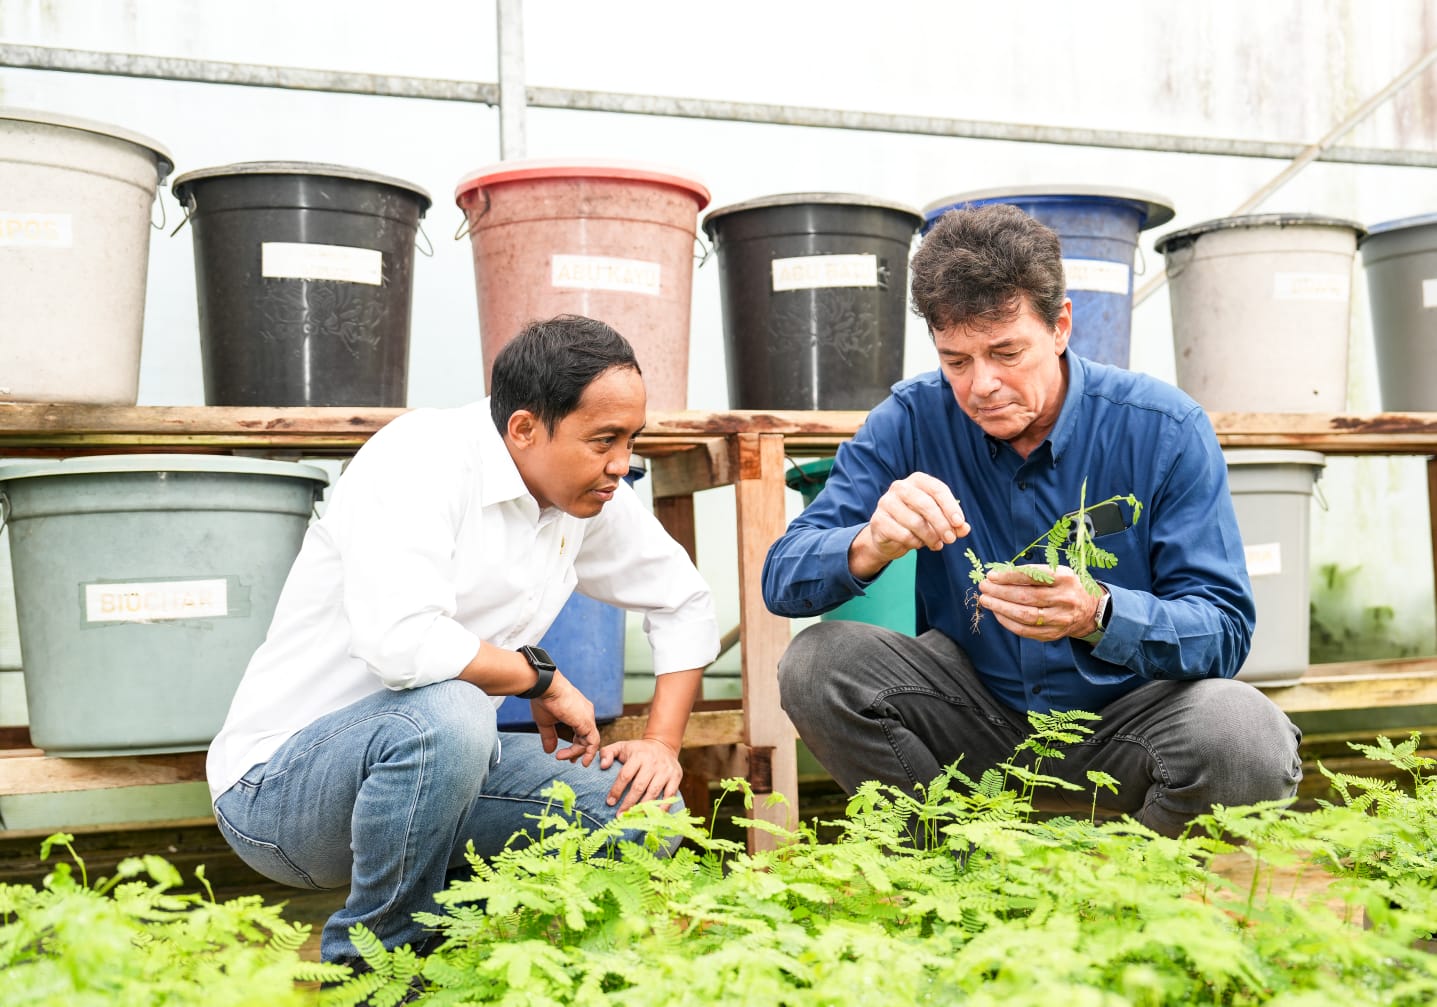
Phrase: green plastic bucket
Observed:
(143, 583)
(889, 601)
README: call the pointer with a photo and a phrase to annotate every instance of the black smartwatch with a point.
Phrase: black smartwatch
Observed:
(544, 666)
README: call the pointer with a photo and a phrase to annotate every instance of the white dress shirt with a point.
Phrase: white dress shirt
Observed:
(430, 544)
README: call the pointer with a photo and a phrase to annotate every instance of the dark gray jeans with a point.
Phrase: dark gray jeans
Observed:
(872, 704)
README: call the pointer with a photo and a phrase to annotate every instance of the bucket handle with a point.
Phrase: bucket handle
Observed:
(466, 228)
(188, 206)
(1142, 268)
(706, 252)
(164, 214)
(1179, 258)
(430, 252)
(4, 510)
(1317, 492)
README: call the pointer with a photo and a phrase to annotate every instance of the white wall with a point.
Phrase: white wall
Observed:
(1278, 70)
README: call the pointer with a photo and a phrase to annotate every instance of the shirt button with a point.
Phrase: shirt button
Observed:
(807, 604)
(1037, 690)
(1022, 485)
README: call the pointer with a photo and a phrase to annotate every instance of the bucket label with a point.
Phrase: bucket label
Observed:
(1429, 293)
(287, 260)
(156, 601)
(1096, 275)
(1310, 286)
(809, 272)
(600, 272)
(1263, 559)
(36, 230)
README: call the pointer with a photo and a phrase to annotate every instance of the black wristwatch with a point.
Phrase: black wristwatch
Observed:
(544, 666)
(1101, 617)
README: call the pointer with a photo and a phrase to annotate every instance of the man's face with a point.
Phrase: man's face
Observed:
(578, 468)
(1007, 376)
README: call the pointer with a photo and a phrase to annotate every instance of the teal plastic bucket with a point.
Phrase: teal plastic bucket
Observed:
(143, 583)
(1098, 227)
(890, 600)
(586, 641)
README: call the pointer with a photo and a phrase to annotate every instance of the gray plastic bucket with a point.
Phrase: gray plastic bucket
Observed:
(143, 583)
(1272, 494)
(1400, 260)
(814, 288)
(74, 253)
(1098, 227)
(305, 281)
(1260, 310)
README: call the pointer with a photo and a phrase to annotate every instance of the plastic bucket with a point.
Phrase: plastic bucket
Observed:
(74, 252)
(143, 583)
(1098, 227)
(814, 288)
(890, 600)
(1260, 308)
(1272, 494)
(609, 240)
(305, 278)
(586, 641)
(1400, 260)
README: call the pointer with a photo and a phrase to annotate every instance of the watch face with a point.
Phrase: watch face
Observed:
(539, 657)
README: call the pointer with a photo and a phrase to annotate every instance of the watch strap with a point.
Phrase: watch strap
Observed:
(543, 666)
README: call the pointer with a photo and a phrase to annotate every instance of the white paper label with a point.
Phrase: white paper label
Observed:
(1310, 286)
(1264, 559)
(36, 230)
(808, 272)
(1097, 275)
(599, 272)
(287, 260)
(156, 601)
(1429, 293)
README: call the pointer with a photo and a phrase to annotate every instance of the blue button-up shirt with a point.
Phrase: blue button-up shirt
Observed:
(1182, 605)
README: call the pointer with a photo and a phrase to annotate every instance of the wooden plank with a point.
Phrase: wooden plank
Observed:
(683, 473)
(676, 514)
(769, 734)
(705, 727)
(1337, 434)
(36, 773)
(1360, 685)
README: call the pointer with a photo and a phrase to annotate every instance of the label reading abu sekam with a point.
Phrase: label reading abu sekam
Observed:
(19, 229)
(811, 272)
(1096, 275)
(288, 260)
(600, 272)
(1310, 286)
(157, 601)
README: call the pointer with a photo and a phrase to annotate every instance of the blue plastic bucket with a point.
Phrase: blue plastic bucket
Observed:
(1099, 228)
(586, 641)
(890, 601)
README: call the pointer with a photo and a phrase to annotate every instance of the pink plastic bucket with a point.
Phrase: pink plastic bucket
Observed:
(610, 240)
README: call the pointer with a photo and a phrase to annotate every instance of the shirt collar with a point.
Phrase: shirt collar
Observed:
(1065, 429)
(501, 480)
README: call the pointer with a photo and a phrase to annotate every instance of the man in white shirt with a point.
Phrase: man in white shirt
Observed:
(361, 747)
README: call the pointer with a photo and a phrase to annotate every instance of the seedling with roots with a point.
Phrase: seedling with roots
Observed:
(1069, 541)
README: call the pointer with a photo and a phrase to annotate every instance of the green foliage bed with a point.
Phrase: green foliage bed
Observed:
(962, 896)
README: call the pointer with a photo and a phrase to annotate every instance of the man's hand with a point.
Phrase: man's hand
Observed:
(1040, 611)
(650, 770)
(564, 704)
(917, 512)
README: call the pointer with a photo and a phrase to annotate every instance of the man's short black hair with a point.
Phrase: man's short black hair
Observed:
(547, 366)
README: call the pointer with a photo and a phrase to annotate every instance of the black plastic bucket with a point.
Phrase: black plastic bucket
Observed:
(814, 288)
(305, 277)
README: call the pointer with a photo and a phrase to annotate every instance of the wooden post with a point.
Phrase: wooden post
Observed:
(767, 731)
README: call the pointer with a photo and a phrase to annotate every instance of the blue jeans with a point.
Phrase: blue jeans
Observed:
(384, 794)
(873, 704)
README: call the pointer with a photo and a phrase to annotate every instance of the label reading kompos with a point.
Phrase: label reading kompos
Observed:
(1263, 559)
(288, 260)
(1310, 286)
(599, 272)
(1429, 293)
(1096, 275)
(36, 230)
(809, 272)
(156, 601)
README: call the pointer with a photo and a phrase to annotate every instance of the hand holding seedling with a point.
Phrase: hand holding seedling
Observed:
(1038, 610)
(919, 512)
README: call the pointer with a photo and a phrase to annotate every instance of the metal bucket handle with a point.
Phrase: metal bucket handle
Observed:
(164, 214)
(4, 510)
(467, 227)
(188, 205)
(427, 254)
(706, 252)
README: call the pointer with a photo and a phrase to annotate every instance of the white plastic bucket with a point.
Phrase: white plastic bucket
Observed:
(1260, 310)
(1272, 494)
(75, 204)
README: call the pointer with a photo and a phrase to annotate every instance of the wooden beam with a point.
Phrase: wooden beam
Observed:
(767, 730)
(30, 771)
(705, 727)
(683, 473)
(1360, 685)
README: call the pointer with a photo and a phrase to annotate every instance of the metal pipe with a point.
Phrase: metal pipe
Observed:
(257, 75)
(512, 97)
(1311, 153)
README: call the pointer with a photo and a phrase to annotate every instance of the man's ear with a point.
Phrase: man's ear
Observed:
(1063, 331)
(523, 428)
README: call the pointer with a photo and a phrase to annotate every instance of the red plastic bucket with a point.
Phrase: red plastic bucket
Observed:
(610, 240)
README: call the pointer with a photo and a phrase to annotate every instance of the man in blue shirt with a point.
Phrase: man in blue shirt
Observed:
(987, 453)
